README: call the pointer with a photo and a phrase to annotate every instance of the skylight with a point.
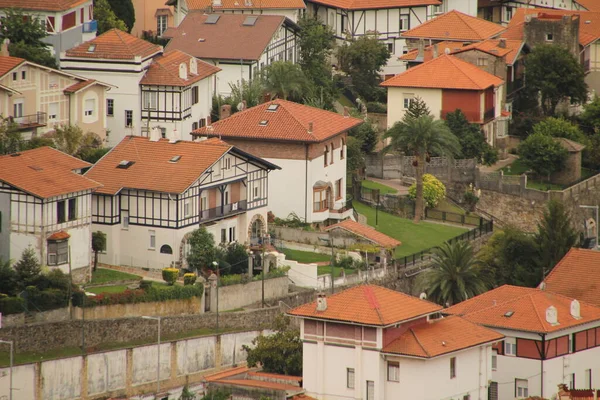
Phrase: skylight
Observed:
(509, 314)
(273, 107)
(92, 48)
(250, 20)
(175, 159)
(264, 122)
(212, 19)
(125, 164)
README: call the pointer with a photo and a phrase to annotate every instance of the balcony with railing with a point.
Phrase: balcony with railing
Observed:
(31, 121)
(344, 210)
(472, 116)
(489, 114)
(225, 210)
(90, 26)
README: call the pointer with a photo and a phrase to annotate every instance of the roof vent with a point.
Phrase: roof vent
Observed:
(250, 20)
(575, 309)
(423, 296)
(552, 315)
(201, 40)
(588, 22)
(321, 302)
(91, 48)
(125, 164)
(264, 122)
(443, 343)
(273, 107)
(15, 154)
(543, 286)
(310, 127)
(212, 18)
(447, 50)
(175, 159)
(509, 314)
(248, 3)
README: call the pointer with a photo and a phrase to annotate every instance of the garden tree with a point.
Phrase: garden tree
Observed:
(420, 137)
(557, 75)
(363, 59)
(70, 139)
(98, 245)
(355, 159)
(555, 235)
(366, 134)
(283, 79)
(280, 353)
(454, 274)
(202, 249)
(10, 137)
(417, 108)
(511, 258)
(590, 117)
(316, 41)
(7, 277)
(433, 191)
(560, 127)
(124, 11)
(28, 268)
(92, 155)
(542, 154)
(472, 141)
(251, 91)
(106, 17)
(25, 33)
(232, 258)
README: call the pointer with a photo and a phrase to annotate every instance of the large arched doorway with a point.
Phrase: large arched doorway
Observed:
(257, 229)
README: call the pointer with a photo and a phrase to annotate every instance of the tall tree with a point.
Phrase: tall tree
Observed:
(560, 127)
(25, 33)
(454, 275)
(28, 268)
(419, 137)
(7, 277)
(363, 59)
(202, 249)
(543, 154)
(590, 117)
(250, 91)
(98, 245)
(106, 17)
(417, 108)
(557, 75)
(282, 79)
(472, 141)
(124, 11)
(555, 235)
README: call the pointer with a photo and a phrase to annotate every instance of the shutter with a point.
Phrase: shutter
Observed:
(493, 391)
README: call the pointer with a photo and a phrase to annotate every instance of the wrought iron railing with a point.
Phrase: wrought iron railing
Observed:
(30, 121)
(223, 211)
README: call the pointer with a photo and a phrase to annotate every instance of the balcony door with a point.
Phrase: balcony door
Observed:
(18, 109)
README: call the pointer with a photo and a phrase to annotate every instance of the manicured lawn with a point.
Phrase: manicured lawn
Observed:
(305, 257)
(326, 269)
(414, 237)
(103, 275)
(446, 206)
(107, 289)
(517, 168)
(383, 189)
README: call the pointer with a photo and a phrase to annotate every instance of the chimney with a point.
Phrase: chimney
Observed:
(502, 43)
(310, 127)
(154, 134)
(321, 302)
(173, 136)
(225, 111)
(4, 48)
(421, 50)
(208, 121)
(346, 112)
(435, 50)
(575, 309)
(244, 104)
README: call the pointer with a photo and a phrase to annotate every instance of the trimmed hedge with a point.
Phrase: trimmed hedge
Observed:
(44, 300)
(11, 305)
(151, 294)
(228, 280)
(189, 279)
(170, 275)
(375, 107)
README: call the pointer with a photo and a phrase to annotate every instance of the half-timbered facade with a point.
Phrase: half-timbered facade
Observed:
(45, 204)
(501, 12)
(156, 191)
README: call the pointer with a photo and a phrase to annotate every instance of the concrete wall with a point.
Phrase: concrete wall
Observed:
(127, 372)
(236, 296)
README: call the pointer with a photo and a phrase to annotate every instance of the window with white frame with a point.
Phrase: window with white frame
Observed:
(370, 390)
(150, 100)
(186, 208)
(408, 99)
(124, 219)
(494, 360)
(58, 252)
(482, 62)
(393, 371)
(232, 234)
(18, 106)
(509, 14)
(110, 107)
(152, 239)
(128, 118)
(223, 235)
(452, 367)
(521, 388)
(510, 348)
(588, 379)
(350, 378)
(89, 107)
(162, 22)
(52, 111)
(404, 24)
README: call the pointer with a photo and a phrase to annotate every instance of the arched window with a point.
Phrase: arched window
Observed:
(342, 144)
(166, 249)
(325, 155)
(332, 153)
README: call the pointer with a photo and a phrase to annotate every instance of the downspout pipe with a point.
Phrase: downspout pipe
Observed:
(542, 358)
(306, 182)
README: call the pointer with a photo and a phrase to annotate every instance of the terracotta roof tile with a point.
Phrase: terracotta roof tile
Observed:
(275, 376)
(366, 232)
(590, 5)
(8, 63)
(260, 384)
(445, 72)
(457, 26)
(577, 276)
(226, 373)
(115, 45)
(373, 5)
(242, 4)
(570, 145)
(368, 305)
(60, 235)
(288, 121)
(492, 46)
(441, 336)
(164, 70)
(151, 168)
(523, 309)
(44, 172)
(428, 51)
(226, 39)
(42, 5)
(79, 85)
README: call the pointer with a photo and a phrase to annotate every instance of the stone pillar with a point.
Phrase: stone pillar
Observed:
(212, 281)
(250, 266)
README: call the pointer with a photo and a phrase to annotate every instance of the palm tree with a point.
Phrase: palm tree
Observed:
(455, 274)
(421, 136)
(283, 79)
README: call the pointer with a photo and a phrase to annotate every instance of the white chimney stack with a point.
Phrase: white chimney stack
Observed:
(155, 134)
(552, 315)
(575, 309)
(173, 136)
(4, 48)
(321, 302)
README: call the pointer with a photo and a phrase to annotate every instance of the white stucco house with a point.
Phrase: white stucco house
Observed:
(373, 343)
(309, 144)
(550, 339)
(46, 204)
(156, 191)
(240, 45)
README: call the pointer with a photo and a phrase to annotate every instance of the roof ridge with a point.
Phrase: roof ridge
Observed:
(456, 63)
(419, 342)
(291, 114)
(536, 311)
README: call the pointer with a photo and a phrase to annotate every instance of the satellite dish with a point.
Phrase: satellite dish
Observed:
(240, 106)
(423, 296)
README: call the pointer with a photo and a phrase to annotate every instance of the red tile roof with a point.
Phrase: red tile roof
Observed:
(456, 26)
(373, 5)
(280, 377)
(510, 52)
(76, 87)
(368, 305)
(45, 172)
(242, 4)
(151, 168)
(226, 373)
(289, 121)
(441, 336)
(366, 232)
(42, 5)
(164, 70)
(226, 39)
(428, 51)
(60, 235)
(260, 384)
(445, 72)
(590, 5)
(577, 276)
(522, 309)
(115, 45)
(8, 63)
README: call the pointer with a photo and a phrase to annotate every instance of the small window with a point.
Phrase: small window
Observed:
(332, 153)
(194, 126)
(390, 47)
(256, 192)
(125, 220)
(408, 99)
(23, 75)
(350, 378)
(452, 367)
(232, 234)
(404, 25)
(72, 209)
(521, 388)
(342, 144)
(494, 360)
(223, 235)
(325, 156)
(152, 239)
(549, 37)
(15, 76)
(52, 111)
(186, 209)
(338, 189)
(161, 24)
(370, 390)
(128, 119)
(393, 371)
(482, 62)
(195, 95)
(150, 100)
(90, 105)
(110, 107)
(61, 215)
(166, 249)
(588, 379)
(510, 349)
(58, 252)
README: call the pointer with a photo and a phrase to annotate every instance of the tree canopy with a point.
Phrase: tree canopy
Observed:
(106, 17)
(471, 138)
(555, 235)
(557, 75)
(124, 11)
(560, 127)
(543, 154)
(202, 249)
(283, 79)
(417, 108)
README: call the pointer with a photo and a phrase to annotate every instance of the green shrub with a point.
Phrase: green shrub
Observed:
(174, 292)
(375, 107)
(11, 305)
(170, 275)
(234, 279)
(145, 285)
(44, 300)
(347, 262)
(433, 190)
(189, 279)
